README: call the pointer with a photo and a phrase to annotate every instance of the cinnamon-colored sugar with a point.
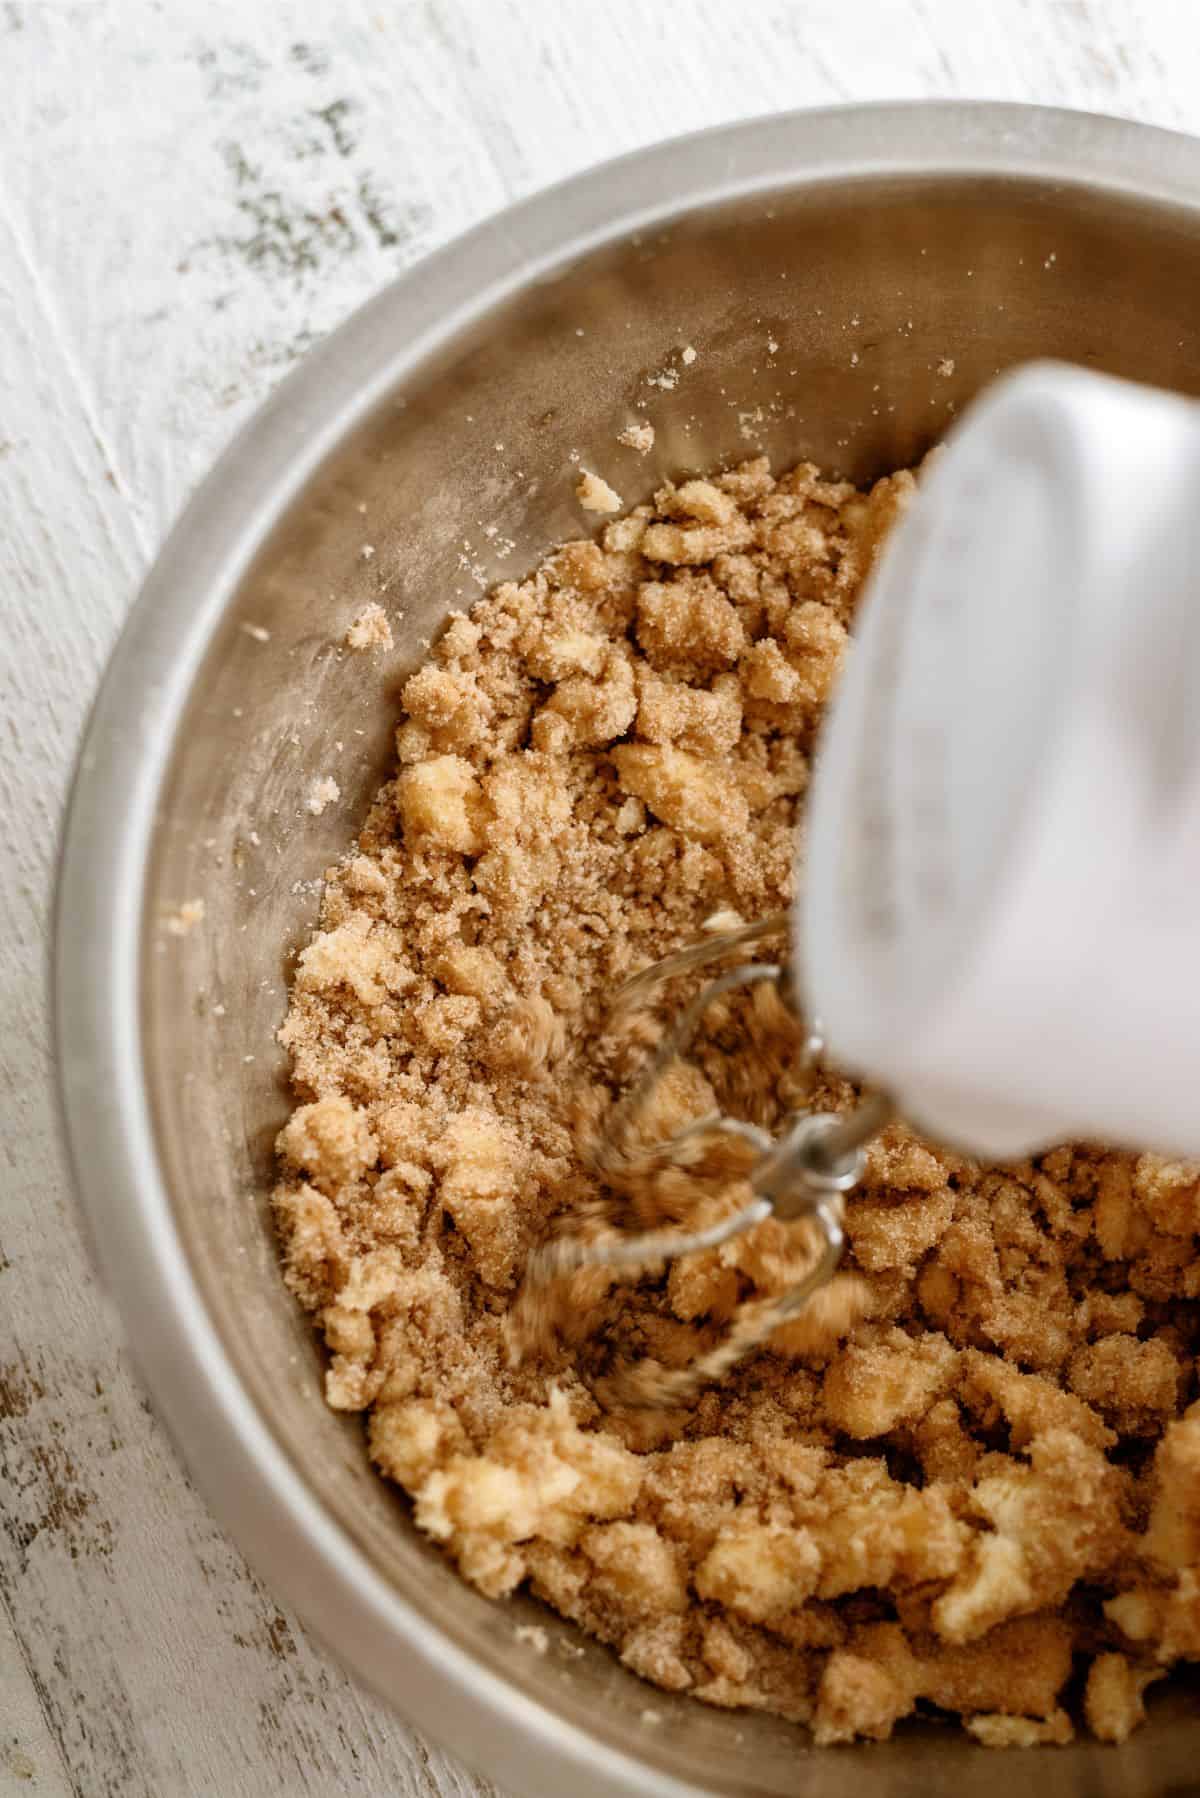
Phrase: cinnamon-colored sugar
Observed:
(974, 1459)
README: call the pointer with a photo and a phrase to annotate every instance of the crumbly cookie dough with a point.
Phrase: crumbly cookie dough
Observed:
(975, 1465)
(369, 629)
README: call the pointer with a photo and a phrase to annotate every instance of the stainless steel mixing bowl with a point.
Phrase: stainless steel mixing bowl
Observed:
(899, 256)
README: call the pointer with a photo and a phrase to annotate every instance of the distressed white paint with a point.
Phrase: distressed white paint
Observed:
(190, 194)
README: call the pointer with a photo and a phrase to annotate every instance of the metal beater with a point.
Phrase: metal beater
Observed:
(803, 1172)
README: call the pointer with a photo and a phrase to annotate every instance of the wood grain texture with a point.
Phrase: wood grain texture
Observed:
(190, 195)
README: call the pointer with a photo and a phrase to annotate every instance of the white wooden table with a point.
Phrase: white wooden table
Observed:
(191, 193)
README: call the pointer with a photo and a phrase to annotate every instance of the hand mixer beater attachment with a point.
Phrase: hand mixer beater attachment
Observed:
(801, 1172)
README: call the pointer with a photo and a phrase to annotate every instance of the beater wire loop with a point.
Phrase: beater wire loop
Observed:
(804, 1172)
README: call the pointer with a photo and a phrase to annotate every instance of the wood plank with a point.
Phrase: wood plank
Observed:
(30, 1761)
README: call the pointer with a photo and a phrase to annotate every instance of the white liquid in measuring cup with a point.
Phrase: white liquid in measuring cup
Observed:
(999, 918)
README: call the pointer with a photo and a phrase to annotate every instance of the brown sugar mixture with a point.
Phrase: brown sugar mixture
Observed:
(967, 1480)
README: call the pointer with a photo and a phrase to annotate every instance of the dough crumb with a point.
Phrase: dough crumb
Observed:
(687, 355)
(595, 495)
(184, 919)
(322, 790)
(370, 629)
(1000, 1731)
(1112, 1702)
(639, 437)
